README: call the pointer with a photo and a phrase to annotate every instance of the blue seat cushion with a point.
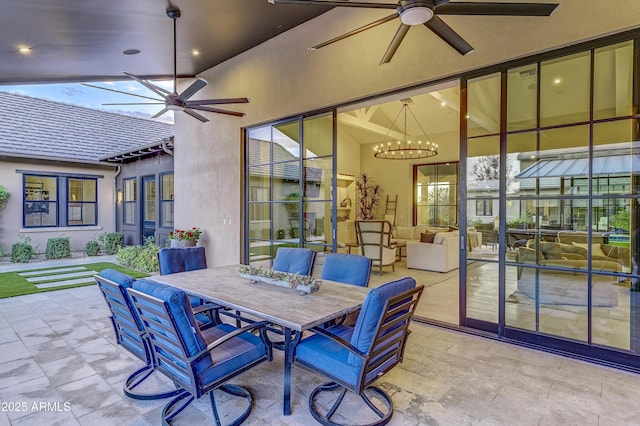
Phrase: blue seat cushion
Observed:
(372, 310)
(294, 260)
(329, 356)
(232, 355)
(347, 268)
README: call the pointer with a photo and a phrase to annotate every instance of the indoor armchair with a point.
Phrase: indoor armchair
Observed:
(375, 242)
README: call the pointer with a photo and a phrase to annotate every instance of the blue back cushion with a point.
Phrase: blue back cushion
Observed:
(180, 309)
(372, 311)
(173, 260)
(347, 268)
(294, 260)
(118, 277)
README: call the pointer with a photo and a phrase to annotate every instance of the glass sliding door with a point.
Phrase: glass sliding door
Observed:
(483, 168)
(289, 186)
(557, 178)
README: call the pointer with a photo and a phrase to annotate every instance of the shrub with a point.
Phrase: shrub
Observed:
(23, 251)
(111, 242)
(58, 248)
(143, 258)
(92, 248)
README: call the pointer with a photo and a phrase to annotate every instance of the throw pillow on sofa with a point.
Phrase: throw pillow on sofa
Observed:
(596, 249)
(427, 237)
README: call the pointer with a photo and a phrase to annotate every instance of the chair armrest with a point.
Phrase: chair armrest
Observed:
(340, 341)
(571, 256)
(218, 342)
(205, 307)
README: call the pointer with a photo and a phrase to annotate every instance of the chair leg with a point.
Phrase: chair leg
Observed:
(235, 391)
(325, 419)
(176, 406)
(137, 378)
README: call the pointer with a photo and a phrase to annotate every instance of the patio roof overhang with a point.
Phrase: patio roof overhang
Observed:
(165, 145)
(611, 165)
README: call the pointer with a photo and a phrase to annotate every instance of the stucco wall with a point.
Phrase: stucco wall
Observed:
(11, 216)
(282, 77)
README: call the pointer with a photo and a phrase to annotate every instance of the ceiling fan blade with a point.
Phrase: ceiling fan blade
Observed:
(447, 34)
(120, 91)
(487, 8)
(217, 102)
(344, 3)
(195, 115)
(356, 31)
(162, 111)
(395, 43)
(217, 110)
(158, 90)
(191, 90)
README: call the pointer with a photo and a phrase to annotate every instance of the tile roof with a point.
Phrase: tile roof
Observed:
(38, 128)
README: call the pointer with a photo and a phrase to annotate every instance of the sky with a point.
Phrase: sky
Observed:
(79, 94)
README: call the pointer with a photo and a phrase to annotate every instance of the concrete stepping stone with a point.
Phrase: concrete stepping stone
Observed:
(60, 276)
(67, 282)
(52, 271)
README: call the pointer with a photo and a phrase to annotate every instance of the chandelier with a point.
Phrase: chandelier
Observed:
(405, 149)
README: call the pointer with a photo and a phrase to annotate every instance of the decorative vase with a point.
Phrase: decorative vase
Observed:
(182, 243)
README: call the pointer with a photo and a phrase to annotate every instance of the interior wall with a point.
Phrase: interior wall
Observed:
(282, 78)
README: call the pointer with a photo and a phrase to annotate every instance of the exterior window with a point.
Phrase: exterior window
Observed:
(82, 202)
(436, 187)
(484, 208)
(166, 200)
(40, 201)
(129, 201)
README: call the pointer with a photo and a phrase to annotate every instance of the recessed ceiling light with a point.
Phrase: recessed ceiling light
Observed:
(24, 50)
(557, 81)
(443, 103)
(131, 51)
(195, 52)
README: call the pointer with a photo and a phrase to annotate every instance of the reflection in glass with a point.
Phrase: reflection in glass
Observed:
(613, 81)
(565, 89)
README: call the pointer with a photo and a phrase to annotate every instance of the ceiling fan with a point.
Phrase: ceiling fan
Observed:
(173, 101)
(416, 12)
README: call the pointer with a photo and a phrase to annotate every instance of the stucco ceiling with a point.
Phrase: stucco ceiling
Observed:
(83, 40)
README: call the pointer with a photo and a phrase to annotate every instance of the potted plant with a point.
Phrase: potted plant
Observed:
(368, 195)
(184, 237)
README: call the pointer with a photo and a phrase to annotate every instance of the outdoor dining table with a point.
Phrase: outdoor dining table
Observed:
(291, 309)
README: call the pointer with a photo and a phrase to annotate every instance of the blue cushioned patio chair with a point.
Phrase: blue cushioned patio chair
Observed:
(294, 260)
(353, 358)
(347, 268)
(199, 362)
(172, 260)
(130, 334)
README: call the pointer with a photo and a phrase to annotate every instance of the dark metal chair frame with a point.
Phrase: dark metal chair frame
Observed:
(122, 318)
(155, 313)
(388, 346)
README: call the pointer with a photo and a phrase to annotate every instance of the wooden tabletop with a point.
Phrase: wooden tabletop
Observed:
(283, 306)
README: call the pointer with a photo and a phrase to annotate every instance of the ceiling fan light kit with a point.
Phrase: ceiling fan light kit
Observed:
(179, 102)
(427, 13)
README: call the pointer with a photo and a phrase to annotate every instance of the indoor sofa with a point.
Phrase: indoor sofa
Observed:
(439, 251)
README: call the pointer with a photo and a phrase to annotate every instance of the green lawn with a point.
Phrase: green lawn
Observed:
(13, 284)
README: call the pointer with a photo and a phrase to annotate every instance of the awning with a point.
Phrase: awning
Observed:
(612, 165)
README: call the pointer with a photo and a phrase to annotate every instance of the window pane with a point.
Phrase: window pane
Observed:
(317, 178)
(286, 181)
(565, 90)
(40, 208)
(259, 146)
(522, 94)
(437, 194)
(167, 214)
(318, 136)
(167, 187)
(613, 82)
(130, 190)
(483, 107)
